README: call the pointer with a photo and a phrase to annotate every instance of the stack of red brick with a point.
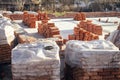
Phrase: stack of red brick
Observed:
(42, 16)
(87, 25)
(5, 52)
(81, 34)
(102, 14)
(16, 16)
(49, 30)
(25, 17)
(89, 61)
(28, 65)
(93, 14)
(30, 19)
(100, 74)
(80, 16)
(86, 31)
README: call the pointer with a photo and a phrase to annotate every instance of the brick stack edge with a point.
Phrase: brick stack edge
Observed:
(80, 16)
(102, 14)
(86, 31)
(42, 70)
(101, 74)
(49, 30)
(94, 14)
(16, 16)
(30, 19)
(89, 26)
(23, 37)
(5, 52)
(83, 35)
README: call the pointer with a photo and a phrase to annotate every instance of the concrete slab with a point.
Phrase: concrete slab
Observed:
(66, 25)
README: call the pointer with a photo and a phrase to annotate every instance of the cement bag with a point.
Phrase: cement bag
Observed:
(92, 54)
(39, 60)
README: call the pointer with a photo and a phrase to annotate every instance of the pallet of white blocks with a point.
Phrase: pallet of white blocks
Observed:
(92, 60)
(36, 61)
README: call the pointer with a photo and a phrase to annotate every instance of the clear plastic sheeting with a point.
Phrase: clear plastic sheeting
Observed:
(7, 12)
(16, 26)
(38, 60)
(18, 12)
(1, 15)
(114, 37)
(6, 31)
(92, 55)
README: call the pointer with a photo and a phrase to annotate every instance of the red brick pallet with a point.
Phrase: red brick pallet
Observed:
(49, 73)
(30, 19)
(5, 53)
(32, 78)
(16, 16)
(100, 74)
(80, 16)
(28, 65)
(87, 25)
(81, 34)
(49, 30)
(42, 16)
(94, 14)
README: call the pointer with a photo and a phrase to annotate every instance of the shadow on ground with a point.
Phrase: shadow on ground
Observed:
(5, 72)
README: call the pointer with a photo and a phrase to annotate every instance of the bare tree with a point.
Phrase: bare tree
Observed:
(46, 4)
(108, 3)
(20, 4)
(36, 4)
(66, 4)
